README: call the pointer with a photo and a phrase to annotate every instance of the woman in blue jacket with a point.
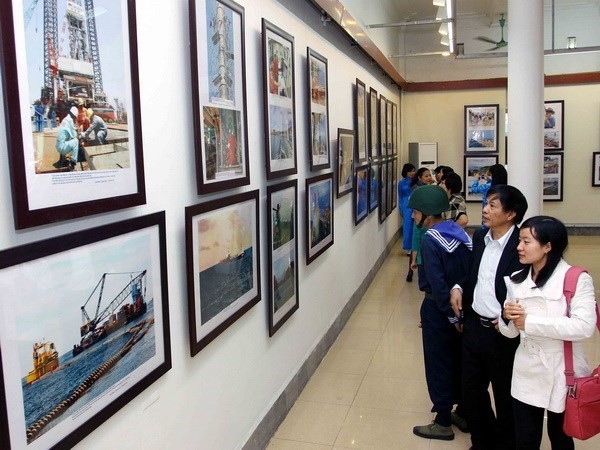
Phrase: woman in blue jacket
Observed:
(404, 190)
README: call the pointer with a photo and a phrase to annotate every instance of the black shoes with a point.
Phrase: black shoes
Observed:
(409, 276)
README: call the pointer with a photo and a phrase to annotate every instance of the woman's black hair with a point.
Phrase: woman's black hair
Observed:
(418, 175)
(453, 182)
(499, 175)
(407, 168)
(545, 229)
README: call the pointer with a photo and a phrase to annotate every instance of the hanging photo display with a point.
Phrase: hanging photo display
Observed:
(318, 110)
(481, 128)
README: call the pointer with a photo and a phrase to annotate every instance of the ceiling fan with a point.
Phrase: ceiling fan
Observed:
(501, 43)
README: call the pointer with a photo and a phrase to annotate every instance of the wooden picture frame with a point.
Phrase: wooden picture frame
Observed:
(374, 182)
(361, 193)
(554, 125)
(360, 121)
(476, 175)
(374, 142)
(595, 169)
(318, 110)
(223, 264)
(345, 161)
(218, 61)
(282, 219)
(280, 101)
(114, 277)
(319, 215)
(481, 128)
(86, 176)
(553, 177)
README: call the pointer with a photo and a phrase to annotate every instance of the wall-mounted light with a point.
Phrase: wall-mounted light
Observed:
(439, 2)
(443, 29)
(441, 13)
(445, 41)
(571, 42)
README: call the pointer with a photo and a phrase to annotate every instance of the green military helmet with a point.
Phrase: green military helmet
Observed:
(431, 200)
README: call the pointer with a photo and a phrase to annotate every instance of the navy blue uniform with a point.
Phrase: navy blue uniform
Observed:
(446, 253)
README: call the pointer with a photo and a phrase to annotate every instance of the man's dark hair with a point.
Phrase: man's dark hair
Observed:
(545, 229)
(453, 182)
(511, 199)
(438, 169)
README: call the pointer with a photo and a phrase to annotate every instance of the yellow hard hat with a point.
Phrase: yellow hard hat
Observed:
(90, 111)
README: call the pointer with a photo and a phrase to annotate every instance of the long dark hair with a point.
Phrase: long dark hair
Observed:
(418, 175)
(407, 168)
(545, 229)
(499, 175)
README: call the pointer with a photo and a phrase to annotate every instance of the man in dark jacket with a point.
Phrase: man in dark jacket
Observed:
(446, 259)
(487, 355)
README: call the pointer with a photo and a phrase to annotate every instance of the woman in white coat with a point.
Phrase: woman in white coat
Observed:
(535, 309)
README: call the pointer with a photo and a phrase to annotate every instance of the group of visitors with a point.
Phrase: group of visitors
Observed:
(494, 314)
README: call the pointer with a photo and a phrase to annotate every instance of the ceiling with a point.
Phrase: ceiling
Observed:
(406, 47)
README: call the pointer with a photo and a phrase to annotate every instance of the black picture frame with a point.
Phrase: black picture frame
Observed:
(554, 125)
(360, 121)
(481, 128)
(361, 193)
(101, 175)
(374, 142)
(383, 196)
(279, 100)
(389, 127)
(345, 161)
(394, 183)
(374, 182)
(218, 63)
(395, 119)
(390, 186)
(120, 273)
(319, 215)
(595, 169)
(282, 219)
(475, 172)
(383, 137)
(318, 110)
(222, 250)
(553, 173)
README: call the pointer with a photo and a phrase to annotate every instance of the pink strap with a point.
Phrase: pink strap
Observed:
(569, 290)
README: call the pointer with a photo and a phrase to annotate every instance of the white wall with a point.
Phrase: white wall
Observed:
(438, 117)
(216, 399)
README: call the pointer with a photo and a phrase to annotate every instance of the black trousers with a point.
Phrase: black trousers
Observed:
(529, 427)
(488, 359)
(441, 351)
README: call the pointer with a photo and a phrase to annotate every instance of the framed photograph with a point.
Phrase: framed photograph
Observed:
(345, 162)
(219, 94)
(280, 101)
(374, 182)
(390, 187)
(395, 119)
(554, 125)
(388, 120)
(223, 264)
(477, 175)
(553, 177)
(72, 108)
(383, 191)
(282, 211)
(394, 183)
(318, 110)
(596, 169)
(319, 215)
(361, 194)
(374, 149)
(383, 137)
(481, 128)
(360, 121)
(85, 329)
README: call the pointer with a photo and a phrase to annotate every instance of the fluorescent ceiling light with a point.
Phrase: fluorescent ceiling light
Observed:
(445, 41)
(443, 29)
(439, 2)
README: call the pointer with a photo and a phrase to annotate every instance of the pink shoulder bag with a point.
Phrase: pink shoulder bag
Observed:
(582, 410)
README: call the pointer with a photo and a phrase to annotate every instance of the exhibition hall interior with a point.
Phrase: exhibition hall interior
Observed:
(202, 237)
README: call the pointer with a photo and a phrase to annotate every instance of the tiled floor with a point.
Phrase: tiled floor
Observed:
(370, 389)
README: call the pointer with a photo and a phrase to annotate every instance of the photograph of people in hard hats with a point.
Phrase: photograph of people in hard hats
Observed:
(481, 128)
(554, 124)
